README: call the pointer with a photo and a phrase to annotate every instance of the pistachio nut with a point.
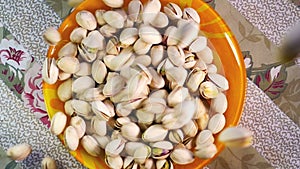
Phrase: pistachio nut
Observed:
(141, 154)
(206, 55)
(82, 83)
(149, 34)
(177, 95)
(115, 162)
(82, 108)
(176, 75)
(236, 137)
(200, 64)
(78, 34)
(141, 47)
(189, 32)
(161, 149)
(99, 16)
(79, 124)
(64, 90)
(91, 94)
(85, 69)
(155, 133)
(212, 68)
(120, 121)
(173, 11)
(184, 112)
(99, 71)
(112, 46)
(130, 131)
(50, 71)
(195, 78)
(176, 55)
(128, 36)
(172, 35)
(114, 86)
(114, 4)
(86, 20)
(182, 156)
(144, 117)
(203, 120)
(208, 90)
(64, 76)
(219, 80)
(48, 163)
(204, 139)
(90, 145)
(160, 21)
(161, 93)
(71, 138)
(207, 152)
(99, 126)
(69, 49)
(101, 110)
(219, 104)
(164, 164)
(201, 108)
(198, 44)
(157, 81)
(176, 136)
(156, 54)
(216, 123)
(107, 30)
(114, 148)
(19, 152)
(92, 43)
(102, 140)
(58, 123)
(118, 62)
(190, 129)
(151, 9)
(189, 60)
(114, 19)
(52, 36)
(191, 14)
(135, 10)
(68, 64)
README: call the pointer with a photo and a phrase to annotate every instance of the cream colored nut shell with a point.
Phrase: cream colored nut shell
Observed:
(48, 163)
(216, 123)
(19, 152)
(58, 123)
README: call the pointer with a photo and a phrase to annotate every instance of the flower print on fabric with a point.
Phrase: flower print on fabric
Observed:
(33, 94)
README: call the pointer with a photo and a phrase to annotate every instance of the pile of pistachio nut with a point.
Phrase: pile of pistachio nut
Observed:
(139, 85)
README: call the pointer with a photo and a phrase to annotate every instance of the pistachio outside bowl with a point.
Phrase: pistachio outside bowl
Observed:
(221, 39)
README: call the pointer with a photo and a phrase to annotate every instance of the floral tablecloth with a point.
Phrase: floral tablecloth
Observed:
(259, 27)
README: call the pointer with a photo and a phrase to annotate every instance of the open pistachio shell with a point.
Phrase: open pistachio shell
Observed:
(50, 71)
(90, 145)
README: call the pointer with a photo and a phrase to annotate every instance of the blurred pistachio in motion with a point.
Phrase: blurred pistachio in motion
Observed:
(48, 163)
(19, 152)
(236, 137)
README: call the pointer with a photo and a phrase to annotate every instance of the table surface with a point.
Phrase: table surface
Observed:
(272, 104)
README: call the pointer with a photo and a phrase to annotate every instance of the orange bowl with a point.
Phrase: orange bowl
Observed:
(226, 49)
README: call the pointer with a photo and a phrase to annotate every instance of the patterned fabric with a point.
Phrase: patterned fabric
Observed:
(273, 18)
(272, 76)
